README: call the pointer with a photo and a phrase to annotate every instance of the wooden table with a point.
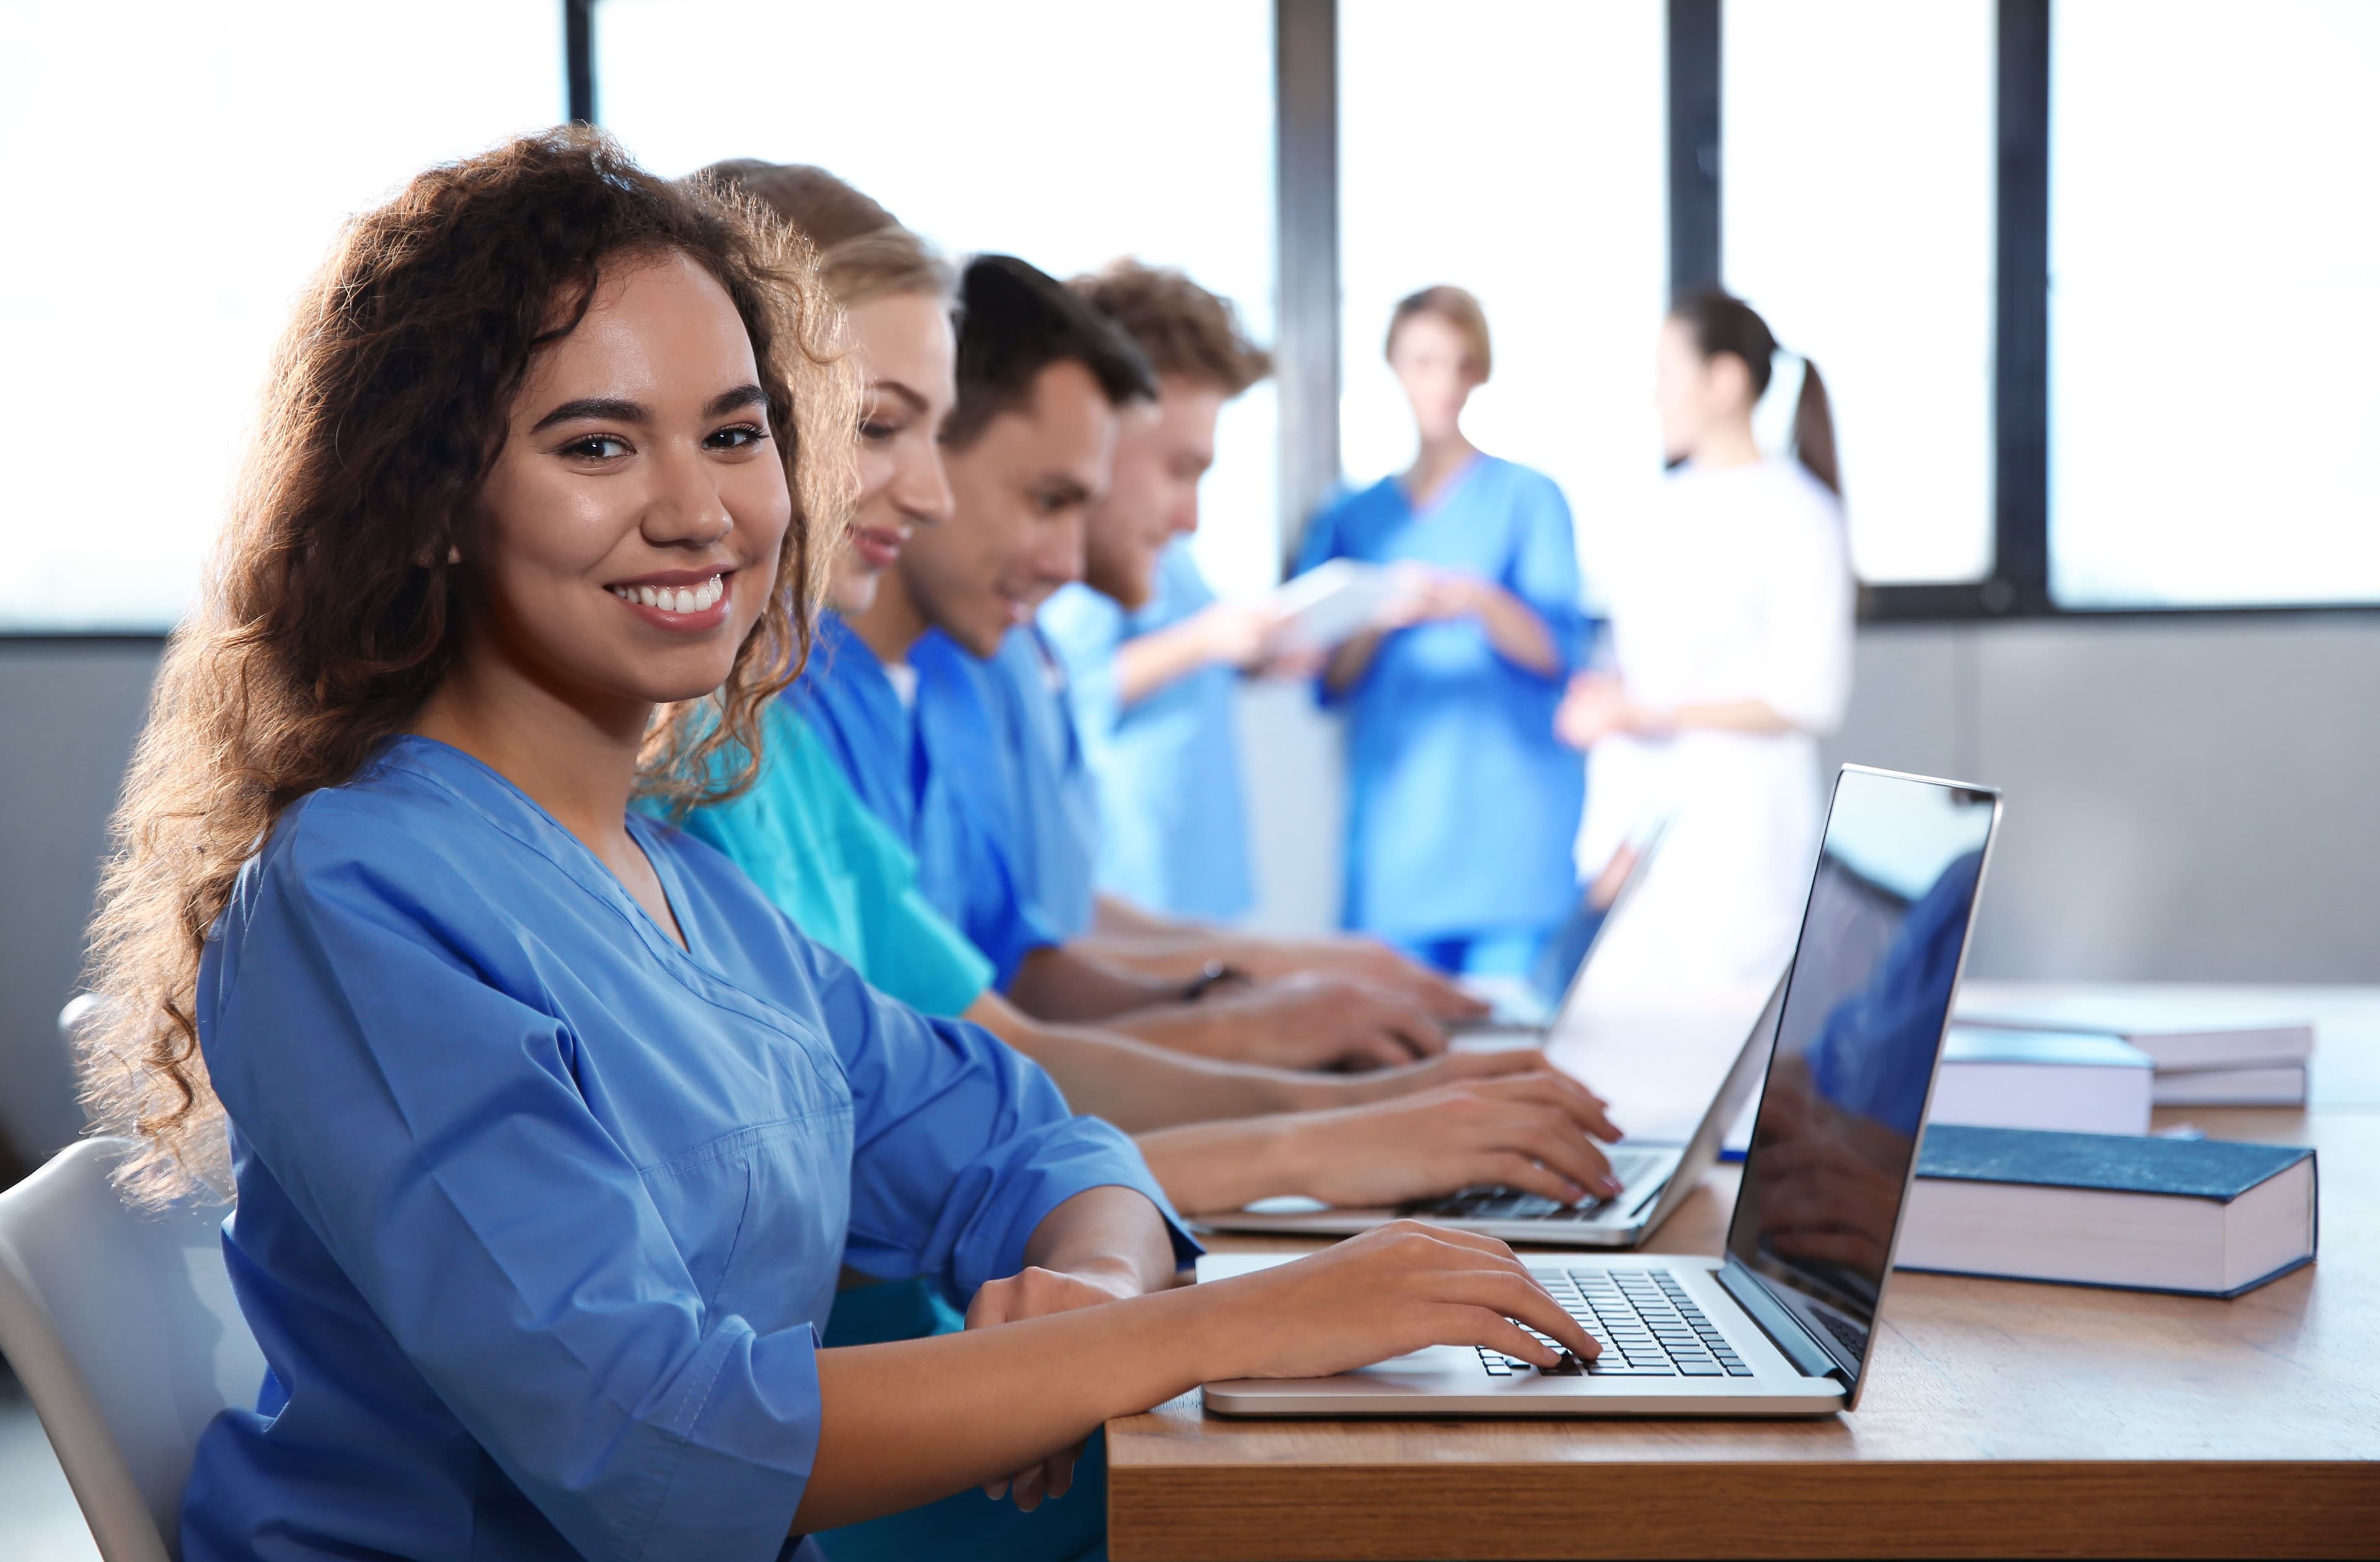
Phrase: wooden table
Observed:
(1999, 1419)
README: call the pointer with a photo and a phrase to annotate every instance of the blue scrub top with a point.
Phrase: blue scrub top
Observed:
(813, 848)
(1463, 806)
(1052, 808)
(911, 768)
(1174, 830)
(539, 1214)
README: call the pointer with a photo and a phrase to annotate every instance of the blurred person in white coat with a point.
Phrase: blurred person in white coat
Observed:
(1731, 615)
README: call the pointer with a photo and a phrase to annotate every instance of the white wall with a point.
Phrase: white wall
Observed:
(2186, 798)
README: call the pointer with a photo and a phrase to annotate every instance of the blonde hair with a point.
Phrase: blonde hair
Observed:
(331, 610)
(864, 252)
(1458, 309)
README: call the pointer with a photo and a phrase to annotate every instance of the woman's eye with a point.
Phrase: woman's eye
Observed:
(737, 436)
(879, 432)
(597, 447)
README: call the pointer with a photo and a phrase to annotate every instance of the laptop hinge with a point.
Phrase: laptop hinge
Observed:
(1784, 1331)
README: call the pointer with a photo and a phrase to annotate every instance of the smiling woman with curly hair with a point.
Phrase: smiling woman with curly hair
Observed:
(550, 1135)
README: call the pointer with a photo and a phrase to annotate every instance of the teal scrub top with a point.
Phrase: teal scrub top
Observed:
(1172, 810)
(1462, 805)
(805, 839)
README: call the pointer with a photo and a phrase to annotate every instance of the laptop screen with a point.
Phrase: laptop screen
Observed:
(1563, 959)
(1866, 1002)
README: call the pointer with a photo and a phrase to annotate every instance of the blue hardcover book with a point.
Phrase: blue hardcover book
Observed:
(2207, 1217)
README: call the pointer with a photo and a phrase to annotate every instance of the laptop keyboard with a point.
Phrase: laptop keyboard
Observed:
(1510, 1203)
(1643, 1320)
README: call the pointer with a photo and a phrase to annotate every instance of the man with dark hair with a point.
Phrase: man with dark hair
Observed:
(893, 692)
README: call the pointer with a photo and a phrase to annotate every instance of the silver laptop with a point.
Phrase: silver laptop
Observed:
(1656, 1176)
(1783, 1323)
(1524, 1010)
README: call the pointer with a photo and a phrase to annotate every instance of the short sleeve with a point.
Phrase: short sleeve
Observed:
(1806, 622)
(962, 1146)
(428, 1132)
(1544, 570)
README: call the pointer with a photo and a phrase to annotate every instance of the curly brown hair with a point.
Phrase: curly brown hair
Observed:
(330, 611)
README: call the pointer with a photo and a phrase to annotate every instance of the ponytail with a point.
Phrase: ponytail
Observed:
(1722, 323)
(1814, 431)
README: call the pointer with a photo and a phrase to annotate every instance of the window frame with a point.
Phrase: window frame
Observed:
(1306, 285)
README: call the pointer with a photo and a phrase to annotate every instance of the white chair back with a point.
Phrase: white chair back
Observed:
(123, 1327)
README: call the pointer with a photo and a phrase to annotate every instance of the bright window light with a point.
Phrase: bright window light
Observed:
(1517, 150)
(195, 162)
(2215, 302)
(1069, 133)
(1857, 189)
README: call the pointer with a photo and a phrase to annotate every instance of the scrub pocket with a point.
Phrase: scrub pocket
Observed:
(761, 1210)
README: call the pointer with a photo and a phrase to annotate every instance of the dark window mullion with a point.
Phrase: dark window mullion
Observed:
(578, 58)
(2019, 582)
(1695, 145)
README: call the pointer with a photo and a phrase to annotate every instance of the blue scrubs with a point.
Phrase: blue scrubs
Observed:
(909, 767)
(1172, 810)
(1053, 807)
(1461, 804)
(538, 1213)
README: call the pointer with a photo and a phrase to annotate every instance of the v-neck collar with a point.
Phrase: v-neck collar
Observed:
(495, 794)
(1456, 480)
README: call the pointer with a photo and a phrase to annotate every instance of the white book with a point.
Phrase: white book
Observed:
(2283, 1085)
(2175, 1031)
(1333, 602)
(2077, 1081)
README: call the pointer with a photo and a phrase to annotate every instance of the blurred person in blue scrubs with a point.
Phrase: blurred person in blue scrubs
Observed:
(896, 695)
(1462, 807)
(549, 1134)
(1732, 616)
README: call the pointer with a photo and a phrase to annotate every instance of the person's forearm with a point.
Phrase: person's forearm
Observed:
(1111, 1230)
(1349, 660)
(1055, 983)
(1516, 631)
(913, 1421)
(1145, 664)
(1136, 1084)
(1208, 1167)
(1178, 955)
(1113, 913)
(1754, 716)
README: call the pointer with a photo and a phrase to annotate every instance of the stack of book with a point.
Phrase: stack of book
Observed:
(2201, 1058)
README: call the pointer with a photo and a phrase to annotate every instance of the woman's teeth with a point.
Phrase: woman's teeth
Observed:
(673, 599)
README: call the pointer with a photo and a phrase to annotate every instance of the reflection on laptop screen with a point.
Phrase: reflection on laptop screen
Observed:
(1865, 1006)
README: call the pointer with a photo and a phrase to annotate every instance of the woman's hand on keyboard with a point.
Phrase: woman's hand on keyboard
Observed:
(1397, 1287)
(1534, 1130)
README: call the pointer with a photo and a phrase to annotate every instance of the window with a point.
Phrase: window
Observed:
(1519, 152)
(2215, 314)
(1857, 216)
(1069, 133)
(193, 163)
